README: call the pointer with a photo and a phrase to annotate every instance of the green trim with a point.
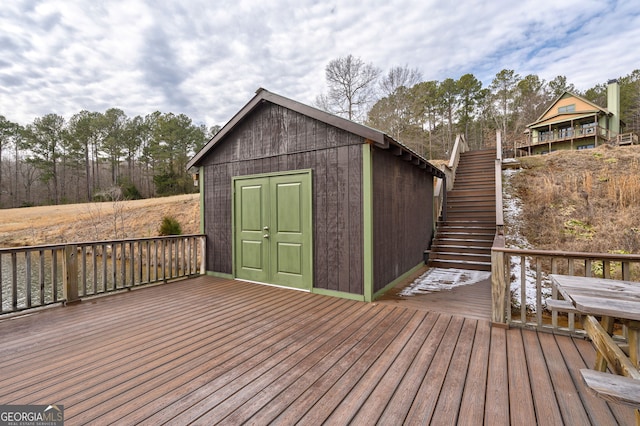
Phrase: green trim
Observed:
(367, 221)
(342, 294)
(398, 280)
(273, 174)
(201, 183)
(220, 275)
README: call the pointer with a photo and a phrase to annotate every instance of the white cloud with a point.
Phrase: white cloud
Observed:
(206, 59)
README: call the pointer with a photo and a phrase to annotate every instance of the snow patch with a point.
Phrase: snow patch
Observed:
(437, 279)
(512, 208)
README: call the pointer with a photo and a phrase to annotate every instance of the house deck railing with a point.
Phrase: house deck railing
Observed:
(522, 272)
(558, 135)
(37, 276)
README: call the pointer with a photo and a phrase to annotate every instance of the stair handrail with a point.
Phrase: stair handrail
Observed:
(443, 185)
(498, 180)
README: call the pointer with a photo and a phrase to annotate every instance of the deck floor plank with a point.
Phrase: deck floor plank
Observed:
(367, 404)
(497, 412)
(597, 408)
(210, 350)
(426, 398)
(448, 407)
(241, 343)
(475, 389)
(401, 401)
(520, 399)
(545, 403)
(571, 407)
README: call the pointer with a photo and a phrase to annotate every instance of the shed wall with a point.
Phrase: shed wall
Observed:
(402, 216)
(275, 139)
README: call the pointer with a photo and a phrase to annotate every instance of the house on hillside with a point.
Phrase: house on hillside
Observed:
(572, 122)
(297, 197)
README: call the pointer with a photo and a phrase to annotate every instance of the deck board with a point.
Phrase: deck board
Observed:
(210, 350)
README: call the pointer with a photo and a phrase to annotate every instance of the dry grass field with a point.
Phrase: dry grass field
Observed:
(96, 221)
(586, 201)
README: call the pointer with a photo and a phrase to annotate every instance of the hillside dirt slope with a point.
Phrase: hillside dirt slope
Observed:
(586, 201)
(96, 221)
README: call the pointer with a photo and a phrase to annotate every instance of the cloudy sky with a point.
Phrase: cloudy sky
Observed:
(206, 58)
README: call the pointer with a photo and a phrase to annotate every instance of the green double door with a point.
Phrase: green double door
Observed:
(273, 233)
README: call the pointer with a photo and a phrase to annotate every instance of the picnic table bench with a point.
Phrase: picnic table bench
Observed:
(612, 301)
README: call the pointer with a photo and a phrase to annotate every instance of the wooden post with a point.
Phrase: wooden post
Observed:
(498, 290)
(203, 257)
(70, 273)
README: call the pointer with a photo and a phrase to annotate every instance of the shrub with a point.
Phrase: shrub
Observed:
(170, 226)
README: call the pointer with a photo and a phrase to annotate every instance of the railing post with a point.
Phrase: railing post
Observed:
(70, 273)
(203, 255)
(498, 282)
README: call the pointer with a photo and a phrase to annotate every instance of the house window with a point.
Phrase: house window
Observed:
(567, 108)
(586, 146)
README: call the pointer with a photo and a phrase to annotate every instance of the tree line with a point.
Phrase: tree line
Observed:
(101, 156)
(426, 115)
(97, 156)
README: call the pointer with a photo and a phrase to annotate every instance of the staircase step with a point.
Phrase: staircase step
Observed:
(459, 264)
(460, 249)
(468, 242)
(467, 257)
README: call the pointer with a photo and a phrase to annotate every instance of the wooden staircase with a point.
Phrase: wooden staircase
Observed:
(464, 240)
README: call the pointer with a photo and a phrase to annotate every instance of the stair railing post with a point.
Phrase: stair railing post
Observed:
(444, 198)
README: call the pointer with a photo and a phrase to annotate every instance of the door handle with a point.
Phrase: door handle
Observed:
(266, 228)
(266, 235)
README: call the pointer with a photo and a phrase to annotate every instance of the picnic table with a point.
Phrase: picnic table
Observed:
(612, 301)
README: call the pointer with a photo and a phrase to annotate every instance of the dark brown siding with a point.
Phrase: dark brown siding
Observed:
(402, 216)
(274, 139)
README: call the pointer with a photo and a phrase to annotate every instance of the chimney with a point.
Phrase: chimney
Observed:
(613, 105)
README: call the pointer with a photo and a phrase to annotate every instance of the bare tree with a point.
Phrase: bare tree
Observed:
(398, 77)
(351, 85)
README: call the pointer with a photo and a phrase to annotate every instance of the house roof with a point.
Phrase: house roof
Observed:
(376, 137)
(595, 109)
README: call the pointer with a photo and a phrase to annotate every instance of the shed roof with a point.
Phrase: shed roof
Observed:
(376, 137)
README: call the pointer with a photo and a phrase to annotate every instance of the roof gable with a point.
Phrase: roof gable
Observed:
(582, 106)
(376, 137)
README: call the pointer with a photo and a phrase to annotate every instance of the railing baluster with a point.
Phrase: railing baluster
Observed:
(523, 289)
(626, 271)
(538, 291)
(14, 280)
(54, 274)
(83, 256)
(123, 264)
(1, 286)
(606, 269)
(94, 263)
(104, 268)
(41, 278)
(27, 260)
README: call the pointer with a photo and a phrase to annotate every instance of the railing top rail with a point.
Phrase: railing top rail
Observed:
(568, 254)
(89, 243)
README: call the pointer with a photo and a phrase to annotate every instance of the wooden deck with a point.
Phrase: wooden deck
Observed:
(210, 350)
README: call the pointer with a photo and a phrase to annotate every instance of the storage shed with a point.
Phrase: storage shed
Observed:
(297, 197)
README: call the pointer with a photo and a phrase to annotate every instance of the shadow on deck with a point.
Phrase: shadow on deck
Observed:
(209, 350)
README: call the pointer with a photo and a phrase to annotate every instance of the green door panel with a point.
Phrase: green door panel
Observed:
(291, 230)
(251, 253)
(273, 220)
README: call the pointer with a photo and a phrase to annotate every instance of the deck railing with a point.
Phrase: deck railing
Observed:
(528, 270)
(42, 275)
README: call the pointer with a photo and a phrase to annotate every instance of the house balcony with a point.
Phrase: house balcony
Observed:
(568, 134)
